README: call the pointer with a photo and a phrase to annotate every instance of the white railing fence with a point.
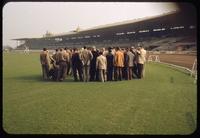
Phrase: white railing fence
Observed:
(192, 72)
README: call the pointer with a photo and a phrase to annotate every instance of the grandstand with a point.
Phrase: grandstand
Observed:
(170, 31)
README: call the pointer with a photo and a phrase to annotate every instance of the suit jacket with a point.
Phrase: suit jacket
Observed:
(44, 58)
(55, 57)
(66, 56)
(131, 58)
(110, 60)
(94, 59)
(61, 56)
(76, 61)
(142, 56)
(101, 62)
(86, 57)
(119, 59)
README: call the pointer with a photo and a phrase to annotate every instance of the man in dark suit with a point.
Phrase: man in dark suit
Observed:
(93, 70)
(110, 64)
(135, 67)
(77, 65)
(125, 68)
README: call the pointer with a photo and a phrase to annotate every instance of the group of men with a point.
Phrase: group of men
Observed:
(91, 64)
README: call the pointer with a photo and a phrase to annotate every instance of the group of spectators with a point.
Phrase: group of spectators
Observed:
(91, 64)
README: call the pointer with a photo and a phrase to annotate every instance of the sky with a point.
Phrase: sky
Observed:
(33, 19)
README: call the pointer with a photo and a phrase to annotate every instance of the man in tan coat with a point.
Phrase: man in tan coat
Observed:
(45, 62)
(131, 58)
(63, 58)
(69, 66)
(55, 56)
(141, 61)
(101, 64)
(86, 57)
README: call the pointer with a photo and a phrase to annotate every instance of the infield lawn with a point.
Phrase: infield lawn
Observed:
(164, 102)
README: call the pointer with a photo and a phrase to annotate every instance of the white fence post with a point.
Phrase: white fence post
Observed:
(194, 68)
(150, 58)
(157, 59)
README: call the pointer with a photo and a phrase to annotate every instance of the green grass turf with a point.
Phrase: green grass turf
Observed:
(164, 102)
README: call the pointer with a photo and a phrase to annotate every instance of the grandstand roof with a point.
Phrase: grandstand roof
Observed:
(172, 18)
(129, 21)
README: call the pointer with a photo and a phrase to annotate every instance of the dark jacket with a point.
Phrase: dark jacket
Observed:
(76, 61)
(110, 60)
(94, 59)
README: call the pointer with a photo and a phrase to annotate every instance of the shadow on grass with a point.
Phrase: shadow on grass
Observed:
(40, 79)
(30, 78)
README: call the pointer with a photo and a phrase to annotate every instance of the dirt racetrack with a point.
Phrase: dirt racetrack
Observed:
(185, 60)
